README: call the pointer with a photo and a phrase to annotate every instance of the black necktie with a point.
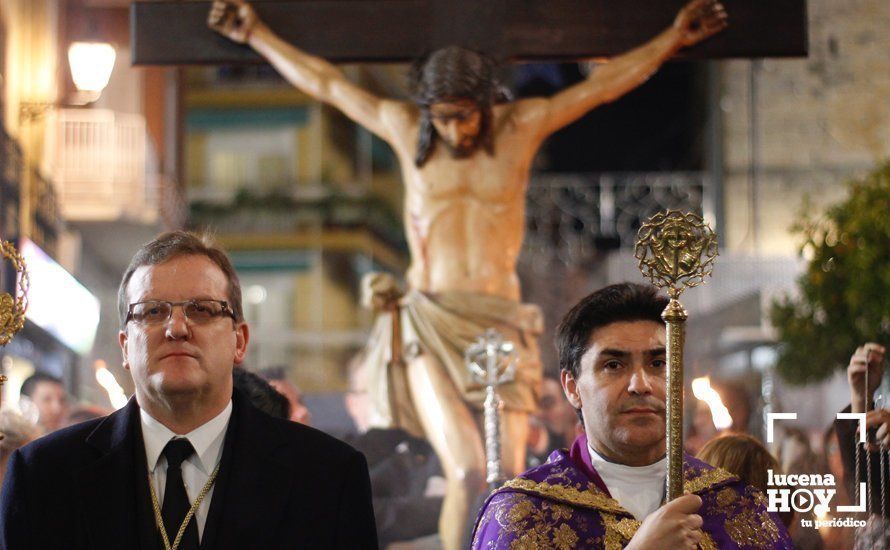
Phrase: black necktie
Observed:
(176, 501)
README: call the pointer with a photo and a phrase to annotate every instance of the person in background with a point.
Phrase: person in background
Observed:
(746, 457)
(737, 400)
(557, 415)
(48, 395)
(539, 446)
(869, 358)
(261, 393)
(406, 478)
(82, 413)
(840, 538)
(796, 456)
(16, 431)
(278, 380)
(701, 424)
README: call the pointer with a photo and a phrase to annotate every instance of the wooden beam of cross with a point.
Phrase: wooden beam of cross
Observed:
(176, 32)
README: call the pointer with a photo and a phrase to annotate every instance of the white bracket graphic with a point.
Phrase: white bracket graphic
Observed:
(855, 416)
(772, 417)
(862, 485)
(862, 491)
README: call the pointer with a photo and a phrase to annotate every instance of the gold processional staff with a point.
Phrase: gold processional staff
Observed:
(12, 308)
(676, 251)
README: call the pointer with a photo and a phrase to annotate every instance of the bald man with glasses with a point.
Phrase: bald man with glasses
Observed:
(188, 463)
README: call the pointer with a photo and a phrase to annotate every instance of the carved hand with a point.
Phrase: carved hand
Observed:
(700, 19)
(234, 19)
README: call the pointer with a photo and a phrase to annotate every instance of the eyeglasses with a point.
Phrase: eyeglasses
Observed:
(156, 312)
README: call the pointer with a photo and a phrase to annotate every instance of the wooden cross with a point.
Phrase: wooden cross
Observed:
(176, 32)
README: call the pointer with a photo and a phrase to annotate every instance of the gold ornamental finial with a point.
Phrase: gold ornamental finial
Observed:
(12, 308)
(676, 251)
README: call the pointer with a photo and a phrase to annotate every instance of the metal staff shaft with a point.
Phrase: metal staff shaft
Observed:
(676, 251)
(492, 418)
(499, 365)
(492, 437)
(675, 317)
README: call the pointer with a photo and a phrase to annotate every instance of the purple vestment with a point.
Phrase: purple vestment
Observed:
(564, 504)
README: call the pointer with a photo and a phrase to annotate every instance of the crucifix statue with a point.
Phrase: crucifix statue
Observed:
(465, 151)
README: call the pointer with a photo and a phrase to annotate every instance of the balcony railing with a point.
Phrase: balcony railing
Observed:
(572, 218)
(96, 157)
(282, 211)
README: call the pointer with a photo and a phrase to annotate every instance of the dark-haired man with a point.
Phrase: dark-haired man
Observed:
(188, 462)
(47, 394)
(464, 220)
(607, 491)
(260, 393)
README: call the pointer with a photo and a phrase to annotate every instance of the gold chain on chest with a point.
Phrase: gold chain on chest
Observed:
(159, 520)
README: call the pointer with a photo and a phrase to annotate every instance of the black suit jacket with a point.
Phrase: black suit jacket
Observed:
(400, 466)
(280, 485)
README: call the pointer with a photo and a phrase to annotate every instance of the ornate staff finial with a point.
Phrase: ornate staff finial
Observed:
(12, 308)
(676, 251)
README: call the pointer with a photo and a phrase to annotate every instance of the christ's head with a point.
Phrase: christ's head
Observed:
(455, 89)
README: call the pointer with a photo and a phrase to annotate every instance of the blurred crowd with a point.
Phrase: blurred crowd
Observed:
(407, 480)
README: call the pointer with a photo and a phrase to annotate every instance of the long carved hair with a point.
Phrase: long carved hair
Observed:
(449, 74)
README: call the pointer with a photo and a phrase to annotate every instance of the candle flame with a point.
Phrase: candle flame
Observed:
(701, 388)
(107, 380)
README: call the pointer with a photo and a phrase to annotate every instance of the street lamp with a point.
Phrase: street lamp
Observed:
(91, 64)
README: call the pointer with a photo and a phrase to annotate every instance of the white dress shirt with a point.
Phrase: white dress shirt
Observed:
(207, 440)
(638, 489)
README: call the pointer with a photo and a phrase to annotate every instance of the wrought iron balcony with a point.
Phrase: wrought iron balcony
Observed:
(574, 218)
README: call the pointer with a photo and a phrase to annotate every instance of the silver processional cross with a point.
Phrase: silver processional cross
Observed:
(492, 362)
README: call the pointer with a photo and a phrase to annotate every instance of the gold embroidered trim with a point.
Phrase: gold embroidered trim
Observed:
(627, 528)
(591, 498)
(726, 497)
(564, 537)
(750, 528)
(707, 480)
(707, 543)
(618, 531)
